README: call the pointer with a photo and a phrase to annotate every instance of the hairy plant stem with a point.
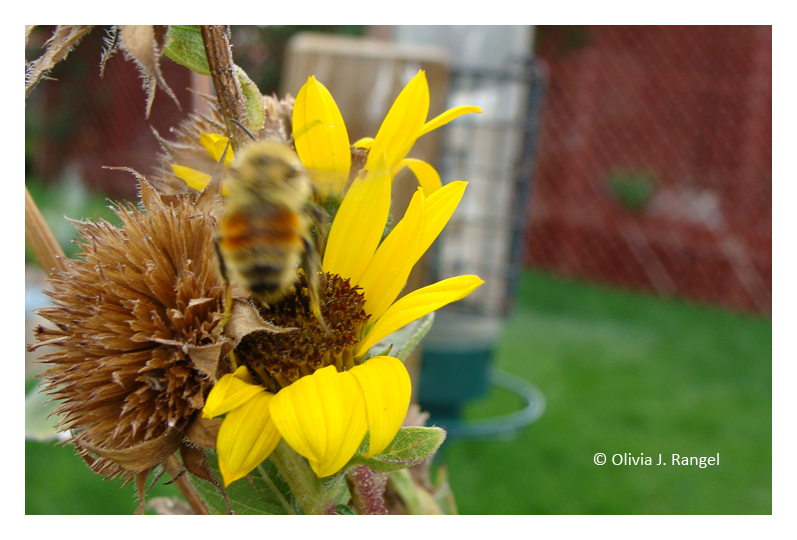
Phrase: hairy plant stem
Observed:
(192, 498)
(225, 82)
(367, 489)
(314, 495)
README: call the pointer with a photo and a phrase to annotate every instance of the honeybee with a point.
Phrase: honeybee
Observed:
(266, 229)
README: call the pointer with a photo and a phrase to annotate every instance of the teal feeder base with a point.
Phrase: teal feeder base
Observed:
(448, 380)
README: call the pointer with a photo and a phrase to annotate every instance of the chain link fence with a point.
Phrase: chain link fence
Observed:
(655, 163)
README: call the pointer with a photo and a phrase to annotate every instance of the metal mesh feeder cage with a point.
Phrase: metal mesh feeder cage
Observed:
(494, 152)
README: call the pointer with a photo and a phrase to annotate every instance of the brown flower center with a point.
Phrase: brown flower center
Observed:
(277, 360)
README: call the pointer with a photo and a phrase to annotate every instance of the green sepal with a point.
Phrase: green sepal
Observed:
(253, 101)
(402, 485)
(420, 501)
(402, 342)
(410, 446)
(184, 45)
(376, 350)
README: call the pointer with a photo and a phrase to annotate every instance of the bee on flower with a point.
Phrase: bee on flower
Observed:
(267, 225)
(317, 392)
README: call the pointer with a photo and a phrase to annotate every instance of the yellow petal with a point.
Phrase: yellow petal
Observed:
(247, 436)
(214, 145)
(403, 123)
(365, 142)
(440, 206)
(359, 224)
(195, 179)
(323, 147)
(323, 418)
(230, 392)
(446, 117)
(393, 261)
(386, 387)
(417, 304)
(427, 176)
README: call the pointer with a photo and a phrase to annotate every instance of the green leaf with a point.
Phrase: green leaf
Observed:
(411, 446)
(344, 510)
(184, 45)
(402, 342)
(267, 493)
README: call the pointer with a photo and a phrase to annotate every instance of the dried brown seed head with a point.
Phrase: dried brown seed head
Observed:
(136, 329)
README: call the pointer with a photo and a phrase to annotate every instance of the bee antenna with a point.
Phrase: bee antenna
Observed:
(304, 129)
(240, 125)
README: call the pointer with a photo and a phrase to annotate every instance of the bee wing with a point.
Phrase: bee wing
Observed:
(323, 147)
(328, 183)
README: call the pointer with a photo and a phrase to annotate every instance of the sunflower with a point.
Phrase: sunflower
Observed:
(323, 399)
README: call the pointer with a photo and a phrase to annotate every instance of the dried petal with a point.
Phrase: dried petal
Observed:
(144, 45)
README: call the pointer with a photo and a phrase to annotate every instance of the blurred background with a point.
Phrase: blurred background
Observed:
(619, 209)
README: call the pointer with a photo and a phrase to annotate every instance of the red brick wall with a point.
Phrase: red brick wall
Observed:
(689, 106)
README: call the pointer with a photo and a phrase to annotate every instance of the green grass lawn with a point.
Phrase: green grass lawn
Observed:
(621, 372)
(57, 481)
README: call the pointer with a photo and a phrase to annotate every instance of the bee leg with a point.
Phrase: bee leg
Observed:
(314, 284)
(314, 250)
(227, 286)
(319, 219)
(227, 299)
(227, 303)
(227, 314)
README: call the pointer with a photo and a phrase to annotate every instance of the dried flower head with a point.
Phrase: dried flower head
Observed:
(136, 333)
